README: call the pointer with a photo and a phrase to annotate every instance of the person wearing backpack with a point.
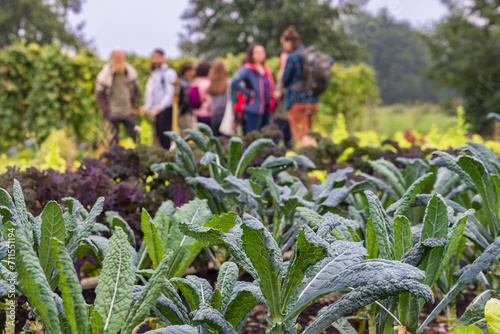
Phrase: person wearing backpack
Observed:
(256, 82)
(306, 75)
(161, 97)
(198, 94)
(280, 115)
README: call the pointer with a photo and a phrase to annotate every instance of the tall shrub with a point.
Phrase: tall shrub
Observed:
(42, 88)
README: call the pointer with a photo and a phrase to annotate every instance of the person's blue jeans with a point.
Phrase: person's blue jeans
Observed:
(285, 129)
(255, 122)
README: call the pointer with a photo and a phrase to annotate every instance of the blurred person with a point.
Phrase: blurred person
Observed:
(219, 90)
(301, 102)
(187, 120)
(280, 115)
(238, 100)
(256, 82)
(148, 90)
(199, 98)
(160, 99)
(117, 94)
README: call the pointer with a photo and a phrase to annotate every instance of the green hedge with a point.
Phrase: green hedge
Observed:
(43, 88)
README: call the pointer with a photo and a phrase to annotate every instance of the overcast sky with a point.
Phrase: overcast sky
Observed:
(140, 26)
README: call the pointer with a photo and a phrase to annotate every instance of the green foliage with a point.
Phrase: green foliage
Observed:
(228, 189)
(480, 264)
(75, 227)
(479, 170)
(352, 89)
(71, 291)
(32, 279)
(116, 307)
(398, 56)
(114, 291)
(52, 227)
(42, 88)
(148, 296)
(38, 21)
(395, 251)
(155, 235)
(389, 120)
(183, 247)
(328, 268)
(222, 181)
(434, 228)
(226, 314)
(231, 27)
(467, 330)
(384, 230)
(464, 58)
(474, 314)
(492, 314)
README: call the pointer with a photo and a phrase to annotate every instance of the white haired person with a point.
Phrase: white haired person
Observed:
(160, 100)
(117, 93)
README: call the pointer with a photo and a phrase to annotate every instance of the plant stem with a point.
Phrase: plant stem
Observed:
(276, 225)
(362, 327)
(212, 257)
(451, 312)
(279, 328)
(372, 321)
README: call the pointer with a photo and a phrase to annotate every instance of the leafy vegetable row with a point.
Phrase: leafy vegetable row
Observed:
(387, 255)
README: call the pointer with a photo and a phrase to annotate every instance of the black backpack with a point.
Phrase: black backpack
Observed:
(184, 106)
(316, 71)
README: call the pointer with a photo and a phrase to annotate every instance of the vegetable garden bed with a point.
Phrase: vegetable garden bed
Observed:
(398, 244)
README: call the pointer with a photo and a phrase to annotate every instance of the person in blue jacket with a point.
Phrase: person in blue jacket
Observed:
(256, 82)
(300, 104)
